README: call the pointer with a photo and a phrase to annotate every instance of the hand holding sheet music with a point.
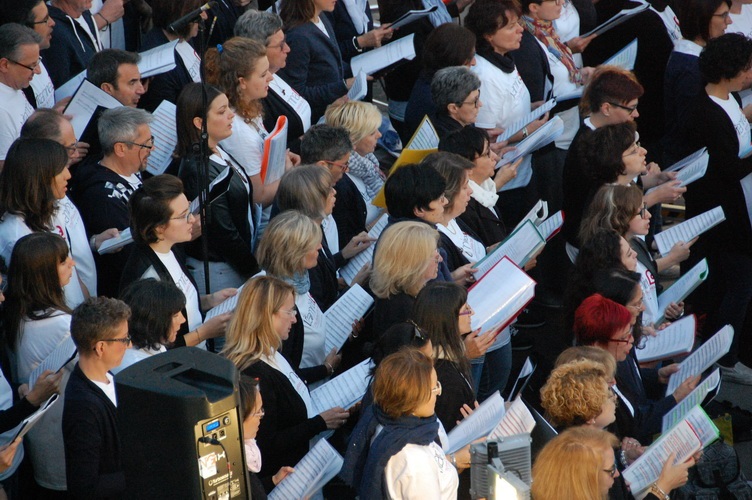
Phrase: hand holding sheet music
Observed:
(677, 338)
(479, 424)
(541, 137)
(359, 88)
(64, 353)
(694, 398)
(703, 358)
(313, 471)
(377, 59)
(344, 390)
(227, 305)
(350, 270)
(84, 104)
(114, 244)
(499, 296)
(681, 288)
(526, 120)
(689, 229)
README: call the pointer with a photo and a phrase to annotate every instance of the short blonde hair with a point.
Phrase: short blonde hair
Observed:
(575, 392)
(361, 119)
(401, 258)
(251, 333)
(569, 465)
(403, 382)
(592, 353)
(305, 189)
(288, 237)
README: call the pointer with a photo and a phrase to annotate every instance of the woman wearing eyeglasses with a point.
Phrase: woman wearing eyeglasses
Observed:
(37, 320)
(456, 94)
(156, 317)
(161, 219)
(393, 451)
(230, 228)
(263, 320)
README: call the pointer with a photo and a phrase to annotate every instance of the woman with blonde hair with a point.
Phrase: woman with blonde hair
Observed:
(240, 68)
(401, 458)
(289, 248)
(364, 179)
(263, 319)
(406, 258)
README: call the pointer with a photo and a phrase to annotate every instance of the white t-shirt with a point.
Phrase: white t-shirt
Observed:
(320, 25)
(246, 144)
(13, 113)
(742, 22)
(472, 249)
(184, 284)
(6, 401)
(735, 114)
(568, 26)
(108, 388)
(112, 36)
(68, 216)
(37, 341)
(314, 326)
(418, 471)
(44, 90)
(331, 233)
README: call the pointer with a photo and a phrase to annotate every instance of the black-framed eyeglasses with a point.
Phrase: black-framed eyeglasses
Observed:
(124, 340)
(149, 143)
(611, 471)
(30, 68)
(629, 340)
(643, 211)
(45, 20)
(631, 109)
(475, 102)
(279, 46)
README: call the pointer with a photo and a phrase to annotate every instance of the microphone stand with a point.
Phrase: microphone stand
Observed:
(203, 167)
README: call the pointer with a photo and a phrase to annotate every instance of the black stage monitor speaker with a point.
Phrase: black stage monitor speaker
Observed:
(180, 427)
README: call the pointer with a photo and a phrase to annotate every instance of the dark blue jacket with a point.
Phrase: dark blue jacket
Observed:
(71, 48)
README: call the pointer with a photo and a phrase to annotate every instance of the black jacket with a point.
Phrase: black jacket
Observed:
(229, 230)
(93, 466)
(350, 211)
(274, 107)
(532, 65)
(345, 30)
(72, 49)
(285, 430)
(483, 222)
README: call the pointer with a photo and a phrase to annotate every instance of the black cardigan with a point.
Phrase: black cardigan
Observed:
(350, 212)
(285, 430)
(483, 222)
(388, 312)
(532, 65)
(456, 391)
(93, 466)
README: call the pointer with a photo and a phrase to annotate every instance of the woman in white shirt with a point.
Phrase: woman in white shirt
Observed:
(37, 322)
(156, 317)
(394, 450)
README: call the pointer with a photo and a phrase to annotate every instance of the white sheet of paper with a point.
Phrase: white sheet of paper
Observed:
(84, 103)
(158, 60)
(746, 183)
(516, 420)
(625, 58)
(313, 471)
(123, 239)
(689, 229)
(545, 135)
(677, 338)
(412, 16)
(499, 296)
(526, 120)
(359, 88)
(374, 60)
(69, 88)
(703, 358)
(682, 287)
(344, 390)
(694, 398)
(343, 313)
(549, 227)
(688, 172)
(227, 305)
(350, 270)
(191, 60)
(30, 421)
(165, 134)
(58, 358)
(425, 137)
(519, 247)
(479, 424)
(537, 214)
(617, 19)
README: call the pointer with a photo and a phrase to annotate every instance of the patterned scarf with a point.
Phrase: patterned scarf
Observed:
(366, 168)
(544, 31)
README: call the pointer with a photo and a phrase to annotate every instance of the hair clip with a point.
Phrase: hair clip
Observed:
(220, 48)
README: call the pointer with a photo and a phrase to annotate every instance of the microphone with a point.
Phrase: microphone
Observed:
(181, 23)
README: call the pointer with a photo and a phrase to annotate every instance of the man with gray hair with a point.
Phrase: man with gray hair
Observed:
(266, 28)
(456, 94)
(102, 190)
(19, 62)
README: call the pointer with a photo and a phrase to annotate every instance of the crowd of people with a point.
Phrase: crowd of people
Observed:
(281, 246)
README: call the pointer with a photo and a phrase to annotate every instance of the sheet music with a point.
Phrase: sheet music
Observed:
(479, 424)
(689, 229)
(703, 358)
(158, 60)
(682, 287)
(575, 94)
(85, 102)
(677, 338)
(275, 152)
(681, 439)
(123, 239)
(499, 296)
(617, 19)
(526, 120)
(704, 428)
(412, 16)
(61, 356)
(522, 179)
(30, 421)
(313, 471)
(165, 134)
(349, 270)
(69, 88)
(694, 398)
(549, 227)
(342, 314)
(537, 214)
(227, 305)
(374, 60)
(344, 390)
(545, 135)
(690, 172)
(687, 160)
(425, 137)
(625, 58)
(191, 60)
(359, 88)
(516, 420)
(519, 247)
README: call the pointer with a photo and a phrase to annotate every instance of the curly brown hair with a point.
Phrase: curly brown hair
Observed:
(575, 392)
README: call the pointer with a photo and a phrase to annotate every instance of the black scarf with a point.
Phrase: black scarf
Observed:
(503, 62)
